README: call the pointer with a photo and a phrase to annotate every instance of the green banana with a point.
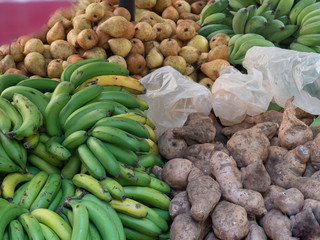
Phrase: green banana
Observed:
(256, 24)
(54, 147)
(101, 220)
(48, 192)
(16, 230)
(80, 225)
(126, 124)
(51, 114)
(9, 212)
(115, 88)
(35, 96)
(284, 7)
(54, 221)
(55, 202)
(146, 160)
(92, 164)
(273, 3)
(134, 235)
(66, 74)
(19, 192)
(297, 8)
(109, 211)
(228, 32)
(5, 121)
(127, 100)
(31, 141)
(206, 30)
(272, 27)
(288, 31)
(236, 5)
(10, 182)
(48, 233)
(300, 47)
(308, 9)
(309, 40)
(310, 28)
(122, 155)
(93, 232)
(269, 15)
(127, 173)
(156, 219)
(42, 152)
(252, 11)
(148, 196)
(105, 157)
(159, 185)
(41, 84)
(32, 169)
(42, 164)
(215, 6)
(12, 113)
(143, 104)
(8, 166)
(163, 213)
(238, 41)
(72, 166)
(10, 79)
(239, 20)
(86, 110)
(284, 19)
(264, 8)
(31, 117)
(93, 69)
(141, 225)
(115, 188)
(31, 226)
(92, 185)
(34, 187)
(13, 150)
(214, 18)
(75, 139)
(79, 99)
(117, 136)
(316, 48)
(68, 189)
(311, 17)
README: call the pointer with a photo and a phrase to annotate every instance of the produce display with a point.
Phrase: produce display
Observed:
(254, 180)
(79, 157)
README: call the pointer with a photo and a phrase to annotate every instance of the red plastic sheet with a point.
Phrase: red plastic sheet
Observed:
(21, 17)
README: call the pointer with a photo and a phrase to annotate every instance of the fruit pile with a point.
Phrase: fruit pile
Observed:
(283, 23)
(77, 156)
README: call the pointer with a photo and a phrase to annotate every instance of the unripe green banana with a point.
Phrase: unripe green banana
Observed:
(239, 21)
(31, 226)
(48, 233)
(263, 8)
(55, 202)
(80, 224)
(42, 164)
(310, 28)
(68, 189)
(31, 117)
(92, 185)
(313, 16)
(91, 70)
(91, 163)
(115, 188)
(163, 213)
(269, 15)
(41, 84)
(93, 232)
(297, 8)
(35, 96)
(34, 187)
(148, 196)
(213, 19)
(19, 192)
(159, 185)
(206, 30)
(48, 192)
(54, 146)
(5, 121)
(122, 155)
(31, 141)
(308, 9)
(300, 47)
(105, 157)
(75, 139)
(284, 7)
(272, 27)
(213, 7)
(288, 31)
(8, 166)
(66, 74)
(72, 167)
(79, 99)
(134, 235)
(16, 230)
(41, 151)
(156, 219)
(256, 24)
(309, 40)
(228, 32)
(252, 11)
(10, 79)
(127, 173)
(12, 113)
(127, 100)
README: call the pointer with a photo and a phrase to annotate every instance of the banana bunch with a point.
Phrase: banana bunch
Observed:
(239, 44)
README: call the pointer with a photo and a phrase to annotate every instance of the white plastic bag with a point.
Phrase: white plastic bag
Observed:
(171, 97)
(236, 94)
(288, 73)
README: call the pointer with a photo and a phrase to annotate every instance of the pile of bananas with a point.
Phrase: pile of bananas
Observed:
(284, 23)
(76, 157)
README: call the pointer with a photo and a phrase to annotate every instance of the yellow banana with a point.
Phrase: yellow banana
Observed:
(129, 207)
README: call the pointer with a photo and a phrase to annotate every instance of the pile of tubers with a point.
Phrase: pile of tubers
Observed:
(259, 179)
(164, 33)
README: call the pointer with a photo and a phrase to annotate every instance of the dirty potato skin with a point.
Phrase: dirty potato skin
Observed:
(170, 146)
(179, 204)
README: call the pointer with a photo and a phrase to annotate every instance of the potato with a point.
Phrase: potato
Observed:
(175, 173)
(179, 204)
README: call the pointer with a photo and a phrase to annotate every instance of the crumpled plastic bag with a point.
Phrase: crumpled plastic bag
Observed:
(236, 94)
(288, 73)
(274, 74)
(172, 97)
